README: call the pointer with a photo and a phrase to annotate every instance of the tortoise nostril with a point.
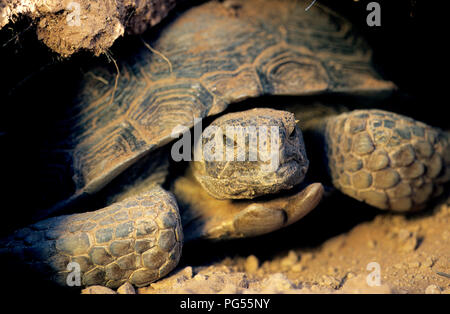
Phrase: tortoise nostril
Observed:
(285, 216)
(293, 133)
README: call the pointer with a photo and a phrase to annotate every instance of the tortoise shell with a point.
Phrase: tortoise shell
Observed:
(204, 60)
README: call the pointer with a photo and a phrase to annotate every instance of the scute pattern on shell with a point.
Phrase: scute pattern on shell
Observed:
(387, 160)
(138, 240)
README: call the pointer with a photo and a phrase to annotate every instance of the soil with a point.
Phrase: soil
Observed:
(71, 25)
(413, 254)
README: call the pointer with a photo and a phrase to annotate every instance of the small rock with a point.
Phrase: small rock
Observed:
(251, 264)
(398, 266)
(126, 288)
(298, 268)
(200, 277)
(289, 260)
(97, 290)
(331, 282)
(186, 273)
(433, 289)
(408, 240)
(292, 256)
(306, 257)
(276, 283)
(350, 275)
(332, 270)
(274, 266)
(404, 234)
(429, 262)
(410, 244)
(414, 264)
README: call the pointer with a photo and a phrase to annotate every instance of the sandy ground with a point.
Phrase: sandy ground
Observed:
(412, 256)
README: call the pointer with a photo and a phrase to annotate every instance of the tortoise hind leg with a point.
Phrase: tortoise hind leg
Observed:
(138, 240)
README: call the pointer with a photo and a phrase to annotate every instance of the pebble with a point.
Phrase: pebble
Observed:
(274, 266)
(298, 268)
(433, 289)
(410, 245)
(251, 264)
(404, 234)
(277, 282)
(332, 270)
(305, 257)
(97, 290)
(200, 277)
(289, 260)
(414, 264)
(408, 240)
(331, 281)
(372, 244)
(429, 262)
(398, 266)
(126, 288)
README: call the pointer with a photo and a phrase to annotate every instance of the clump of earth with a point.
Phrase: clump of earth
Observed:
(410, 254)
(71, 25)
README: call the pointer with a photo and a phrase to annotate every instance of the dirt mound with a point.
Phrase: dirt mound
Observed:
(71, 25)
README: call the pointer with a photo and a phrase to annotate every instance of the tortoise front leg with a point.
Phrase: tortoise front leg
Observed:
(204, 216)
(138, 240)
(387, 160)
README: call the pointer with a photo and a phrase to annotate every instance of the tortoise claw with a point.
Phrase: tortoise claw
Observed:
(206, 217)
(264, 217)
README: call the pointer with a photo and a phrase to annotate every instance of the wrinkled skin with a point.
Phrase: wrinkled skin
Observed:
(240, 178)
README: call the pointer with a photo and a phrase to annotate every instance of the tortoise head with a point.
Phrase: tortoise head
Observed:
(247, 154)
(240, 157)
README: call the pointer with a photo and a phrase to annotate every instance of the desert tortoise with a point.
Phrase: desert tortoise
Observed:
(215, 56)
